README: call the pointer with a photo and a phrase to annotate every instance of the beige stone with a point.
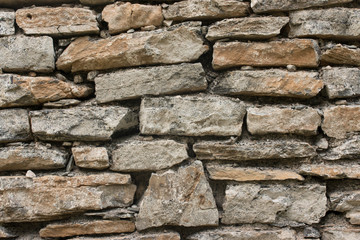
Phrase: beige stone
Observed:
(341, 55)
(341, 82)
(91, 157)
(348, 148)
(168, 235)
(335, 233)
(62, 103)
(333, 171)
(348, 202)
(14, 125)
(7, 20)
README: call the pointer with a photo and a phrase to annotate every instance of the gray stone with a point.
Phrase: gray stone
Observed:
(348, 202)
(311, 232)
(7, 20)
(134, 83)
(19, 3)
(5, 233)
(340, 234)
(91, 157)
(341, 55)
(62, 103)
(167, 235)
(15, 126)
(343, 149)
(96, 2)
(341, 82)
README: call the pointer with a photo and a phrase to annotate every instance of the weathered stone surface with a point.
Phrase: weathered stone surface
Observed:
(183, 44)
(33, 156)
(14, 125)
(91, 157)
(254, 203)
(340, 234)
(206, 9)
(147, 155)
(96, 2)
(122, 16)
(22, 53)
(19, 3)
(16, 90)
(181, 198)
(60, 21)
(298, 52)
(333, 171)
(7, 20)
(346, 201)
(273, 82)
(137, 236)
(336, 23)
(252, 150)
(341, 55)
(62, 103)
(134, 83)
(4, 233)
(52, 197)
(341, 82)
(191, 116)
(344, 149)
(81, 123)
(267, 120)
(87, 228)
(114, 214)
(247, 28)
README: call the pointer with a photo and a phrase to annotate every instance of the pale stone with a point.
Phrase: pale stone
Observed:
(59, 21)
(96, 2)
(16, 90)
(5, 233)
(22, 53)
(206, 10)
(341, 55)
(18, 3)
(298, 52)
(62, 103)
(114, 214)
(81, 123)
(344, 149)
(14, 125)
(137, 236)
(147, 155)
(53, 197)
(333, 171)
(346, 201)
(247, 28)
(180, 197)
(7, 20)
(273, 82)
(340, 234)
(341, 82)
(91, 157)
(122, 16)
(191, 116)
(135, 83)
(267, 120)
(274, 203)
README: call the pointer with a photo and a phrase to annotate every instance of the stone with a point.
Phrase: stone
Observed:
(191, 116)
(182, 44)
(269, 120)
(31, 156)
(335, 233)
(21, 53)
(19, 3)
(122, 16)
(180, 197)
(274, 203)
(87, 228)
(138, 236)
(30, 174)
(54, 197)
(96, 2)
(5, 233)
(206, 10)
(7, 20)
(341, 55)
(298, 52)
(333, 23)
(135, 83)
(253, 150)
(81, 123)
(114, 214)
(155, 155)
(348, 202)
(14, 125)
(311, 232)
(247, 28)
(260, 6)
(341, 82)
(59, 21)
(273, 82)
(333, 171)
(16, 90)
(62, 103)
(344, 149)
(91, 157)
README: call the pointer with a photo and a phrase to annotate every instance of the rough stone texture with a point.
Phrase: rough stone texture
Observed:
(340, 234)
(273, 82)
(87, 228)
(191, 116)
(341, 55)
(19, 3)
(22, 53)
(333, 171)
(16, 90)
(33, 156)
(181, 198)
(81, 123)
(252, 150)
(14, 125)
(91, 157)
(60, 21)
(136, 236)
(7, 20)
(134, 83)
(341, 82)
(122, 16)
(336, 23)
(62, 103)
(53, 197)
(267, 120)
(254, 203)
(147, 155)
(183, 44)
(298, 52)
(344, 149)
(247, 28)
(4, 233)
(96, 2)
(346, 201)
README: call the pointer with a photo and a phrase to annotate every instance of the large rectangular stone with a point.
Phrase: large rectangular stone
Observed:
(91, 157)
(7, 21)
(331, 171)
(15, 126)
(341, 55)
(341, 82)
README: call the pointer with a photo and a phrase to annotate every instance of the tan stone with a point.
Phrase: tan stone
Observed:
(298, 52)
(348, 148)
(15, 126)
(333, 171)
(341, 55)
(168, 235)
(7, 20)
(91, 157)
(336, 233)
(341, 82)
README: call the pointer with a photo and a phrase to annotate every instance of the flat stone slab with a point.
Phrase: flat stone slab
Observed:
(168, 235)
(341, 55)
(335, 233)
(91, 157)
(333, 171)
(7, 22)
(15, 126)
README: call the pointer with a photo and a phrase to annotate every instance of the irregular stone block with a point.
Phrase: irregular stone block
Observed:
(333, 171)
(247, 28)
(341, 82)
(181, 198)
(5, 233)
(7, 20)
(267, 120)
(298, 52)
(340, 234)
(96, 2)
(341, 55)
(81, 123)
(15, 126)
(22, 53)
(191, 116)
(62, 103)
(273, 82)
(91, 157)
(135, 83)
(53, 197)
(346, 201)
(275, 203)
(344, 149)
(137, 236)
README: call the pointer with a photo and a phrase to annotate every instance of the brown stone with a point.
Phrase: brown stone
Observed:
(333, 171)
(91, 157)
(137, 236)
(15, 126)
(341, 55)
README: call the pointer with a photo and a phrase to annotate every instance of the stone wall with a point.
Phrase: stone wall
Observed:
(169, 120)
